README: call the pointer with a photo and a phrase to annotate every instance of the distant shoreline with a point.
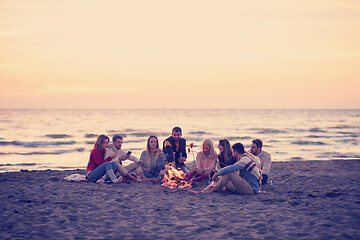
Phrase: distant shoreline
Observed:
(191, 163)
(193, 109)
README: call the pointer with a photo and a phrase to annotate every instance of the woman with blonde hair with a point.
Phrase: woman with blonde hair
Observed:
(205, 162)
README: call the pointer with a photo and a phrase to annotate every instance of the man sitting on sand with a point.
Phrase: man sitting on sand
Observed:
(265, 158)
(174, 148)
(243, 177)
(122, 155)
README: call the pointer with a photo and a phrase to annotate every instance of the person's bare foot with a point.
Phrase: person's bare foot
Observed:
(207, 191)
(119, 180)
(100, 181)
(193, 191)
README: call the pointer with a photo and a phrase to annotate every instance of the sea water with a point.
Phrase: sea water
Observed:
(63, 139)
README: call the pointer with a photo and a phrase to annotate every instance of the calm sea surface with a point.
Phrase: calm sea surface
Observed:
(63, 139)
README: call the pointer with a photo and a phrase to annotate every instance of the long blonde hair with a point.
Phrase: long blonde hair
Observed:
(210, 144)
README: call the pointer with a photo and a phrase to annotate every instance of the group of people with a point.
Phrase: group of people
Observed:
(233, 169)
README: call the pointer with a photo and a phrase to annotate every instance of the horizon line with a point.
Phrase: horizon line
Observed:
(84, 108)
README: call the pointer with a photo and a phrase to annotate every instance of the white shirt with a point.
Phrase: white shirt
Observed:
(120, 152)
(265, 159)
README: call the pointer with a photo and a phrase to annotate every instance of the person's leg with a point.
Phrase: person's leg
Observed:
(105, 168)
(223, 180)
(98, 172)
(120, 169)
(160, 164)
(128, 169)
(240, 184)
(192, 173)
(135, 169)
(201, 177)
(114, 166)
(264, 178)
(184, 169)
(148, 175)
(132, 167)
(169, 159)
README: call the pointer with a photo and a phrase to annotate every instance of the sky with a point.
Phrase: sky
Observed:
(139, 54)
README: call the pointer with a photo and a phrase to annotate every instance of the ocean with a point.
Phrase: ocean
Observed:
(63, 139)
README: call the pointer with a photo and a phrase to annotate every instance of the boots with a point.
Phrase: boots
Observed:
(111, 175)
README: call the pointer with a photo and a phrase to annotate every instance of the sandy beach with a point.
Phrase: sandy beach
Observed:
(306, 200)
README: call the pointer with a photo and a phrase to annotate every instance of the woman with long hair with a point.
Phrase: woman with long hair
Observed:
(243, 177)
(98, 166)
(153, 158)
(225, 156)
(205, 162)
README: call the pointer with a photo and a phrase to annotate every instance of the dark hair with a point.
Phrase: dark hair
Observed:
(176, 129)
(258, 143)
(100, 140)
(227, 149)
(148, 143)
(116, 137)
(238, 147)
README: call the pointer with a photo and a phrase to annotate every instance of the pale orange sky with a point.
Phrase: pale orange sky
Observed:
(180, 54)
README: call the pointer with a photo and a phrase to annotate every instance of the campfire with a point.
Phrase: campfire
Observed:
(174, 178)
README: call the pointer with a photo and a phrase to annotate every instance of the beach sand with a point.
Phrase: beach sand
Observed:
(307, 200)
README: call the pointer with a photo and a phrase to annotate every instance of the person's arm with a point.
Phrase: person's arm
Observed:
(184, 153)
(98, 158)
(108, 152)
(143, 159)
(267, 164)
(161, 158)
(133, 158)
(198, 161)
(169, 151)
(143, 156)
(229, 169)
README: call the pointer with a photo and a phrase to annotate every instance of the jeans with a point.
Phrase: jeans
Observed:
(264, 178)
(160, 165)
(100, 171)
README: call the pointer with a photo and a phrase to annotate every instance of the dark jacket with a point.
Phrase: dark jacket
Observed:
(170, 150)
(226, 162)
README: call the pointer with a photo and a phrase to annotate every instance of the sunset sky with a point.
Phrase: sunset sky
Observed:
(180, 54)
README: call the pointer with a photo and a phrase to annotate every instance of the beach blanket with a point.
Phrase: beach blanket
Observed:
(76, 178)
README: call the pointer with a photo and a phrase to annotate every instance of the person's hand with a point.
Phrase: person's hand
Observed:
(140, 163)
(112, 156)
(182, 159)
(159, 154)
(215, 178)
(124, 157)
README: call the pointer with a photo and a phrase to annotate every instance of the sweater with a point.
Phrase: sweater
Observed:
(206, 163)
(96, 159)
(265, 159)
(248, 167)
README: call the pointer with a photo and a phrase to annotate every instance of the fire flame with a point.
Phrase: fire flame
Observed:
(174, 178)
